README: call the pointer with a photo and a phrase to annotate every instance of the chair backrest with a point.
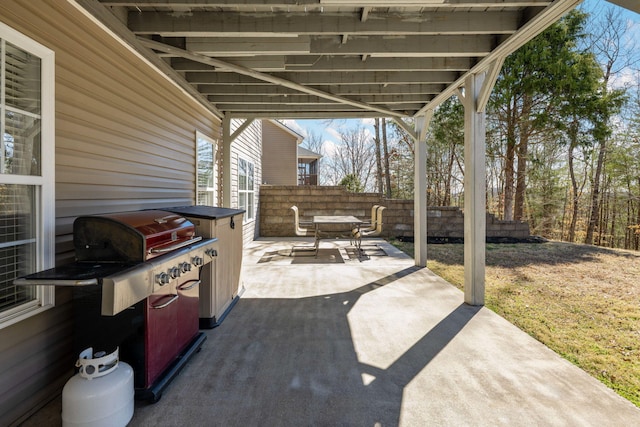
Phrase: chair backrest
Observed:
(378, 229)
(374, 215)
(299, 231)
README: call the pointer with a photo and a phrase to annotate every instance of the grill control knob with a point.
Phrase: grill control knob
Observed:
(162, 278)
(185, 267)
(197, 261)
(211, 252)
(174, 272)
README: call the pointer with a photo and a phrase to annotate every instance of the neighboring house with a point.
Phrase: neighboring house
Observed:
(89, 127)
(279, 154)
(284, 162)
(308, 164)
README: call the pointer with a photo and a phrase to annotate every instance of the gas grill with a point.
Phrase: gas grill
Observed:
(136, 287)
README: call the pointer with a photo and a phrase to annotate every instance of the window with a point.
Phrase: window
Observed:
(207, 172)
(26, 173)
(246, 191)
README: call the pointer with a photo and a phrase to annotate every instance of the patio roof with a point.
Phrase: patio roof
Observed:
(325, 58)
(292, 59)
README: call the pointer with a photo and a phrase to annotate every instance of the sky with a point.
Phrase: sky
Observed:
(329, 130)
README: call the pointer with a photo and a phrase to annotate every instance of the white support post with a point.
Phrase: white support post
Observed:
(226, 161)
(420, 190)
(474, 191)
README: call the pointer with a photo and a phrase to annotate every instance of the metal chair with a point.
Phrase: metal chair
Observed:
(368, 226)
(374, 230)
(302, 232)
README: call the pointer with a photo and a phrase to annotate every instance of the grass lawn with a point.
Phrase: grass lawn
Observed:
(581, 301)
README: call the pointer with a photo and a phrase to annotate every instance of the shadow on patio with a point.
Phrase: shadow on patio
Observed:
(374, 342)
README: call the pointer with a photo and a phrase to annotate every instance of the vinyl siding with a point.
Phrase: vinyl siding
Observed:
(248, 145)
(125, 140)
(279, 156)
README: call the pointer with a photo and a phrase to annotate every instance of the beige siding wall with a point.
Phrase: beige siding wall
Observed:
(279, 156)
(125, 140)
(248, 145)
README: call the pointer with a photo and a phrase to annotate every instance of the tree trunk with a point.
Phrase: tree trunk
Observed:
(449, 177)
(509, 171)
(613, 220)
(522, 152)
(574, 196)
(595, 194)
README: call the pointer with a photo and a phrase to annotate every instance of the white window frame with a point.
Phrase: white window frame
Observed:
(250, 212)
(202, 138)
(45, 184)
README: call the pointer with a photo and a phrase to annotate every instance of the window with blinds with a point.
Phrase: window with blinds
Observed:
(17, 244)
(246, 192)
(26, 174)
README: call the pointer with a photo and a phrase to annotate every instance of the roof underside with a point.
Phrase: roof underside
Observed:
(325, 58)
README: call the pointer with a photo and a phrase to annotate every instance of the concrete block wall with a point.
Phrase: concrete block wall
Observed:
(276, 217)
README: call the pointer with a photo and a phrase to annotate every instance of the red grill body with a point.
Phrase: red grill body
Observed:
(136, 283)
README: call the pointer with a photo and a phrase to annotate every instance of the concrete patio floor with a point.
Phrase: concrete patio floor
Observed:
(369, 342)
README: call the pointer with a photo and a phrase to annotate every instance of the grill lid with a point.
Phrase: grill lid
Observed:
(130, 237)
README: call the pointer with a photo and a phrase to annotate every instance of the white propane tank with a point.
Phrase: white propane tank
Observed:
(101, 394)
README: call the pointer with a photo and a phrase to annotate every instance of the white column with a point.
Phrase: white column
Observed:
(226, 162)
(420, 190)
(474, 192)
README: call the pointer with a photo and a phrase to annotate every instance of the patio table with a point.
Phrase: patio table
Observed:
(319, 220)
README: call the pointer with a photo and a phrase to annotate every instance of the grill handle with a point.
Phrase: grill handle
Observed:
(194, 283)
(176, 246)
(173, 299)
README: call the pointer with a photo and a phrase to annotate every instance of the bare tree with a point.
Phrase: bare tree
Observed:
(355, 156)
(607, 44)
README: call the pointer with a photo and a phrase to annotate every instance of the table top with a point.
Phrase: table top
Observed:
(336, 219)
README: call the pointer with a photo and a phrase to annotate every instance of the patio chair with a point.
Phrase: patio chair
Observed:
(302, 232)
(369, 226)
(364, 226)
(374, 230)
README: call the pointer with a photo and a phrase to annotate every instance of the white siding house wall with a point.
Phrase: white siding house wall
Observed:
(248, 145)
(125, 140)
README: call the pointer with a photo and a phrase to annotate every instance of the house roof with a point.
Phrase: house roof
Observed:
(325, 58)
(303, 153)
(287, 129)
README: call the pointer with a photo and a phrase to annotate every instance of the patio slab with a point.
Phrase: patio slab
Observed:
(371, 341)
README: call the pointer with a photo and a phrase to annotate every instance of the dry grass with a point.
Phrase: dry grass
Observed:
(581, 301)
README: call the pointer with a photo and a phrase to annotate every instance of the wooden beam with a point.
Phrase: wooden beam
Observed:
(109, 23)
(427, 90)
(416, 46)
(317, 5)
(489, 82)
(327, 78)
(528, 31)
(242, 25)
(262, 76)
(241, 129)
(420, 190)
(474, 192)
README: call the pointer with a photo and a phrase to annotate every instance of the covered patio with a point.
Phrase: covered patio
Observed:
(255, 59)
(389, 343)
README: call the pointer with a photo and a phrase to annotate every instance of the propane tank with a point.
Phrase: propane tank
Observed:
(101, 394)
